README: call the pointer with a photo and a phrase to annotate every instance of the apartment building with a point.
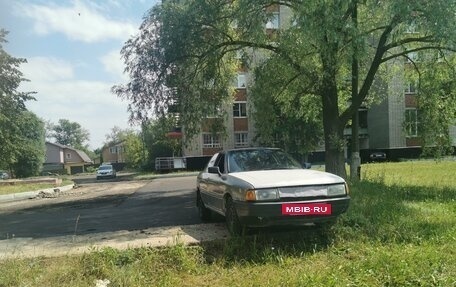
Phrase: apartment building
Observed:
(240, 128)
(390, 126)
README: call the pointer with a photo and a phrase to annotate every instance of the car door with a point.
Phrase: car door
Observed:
(212, 186)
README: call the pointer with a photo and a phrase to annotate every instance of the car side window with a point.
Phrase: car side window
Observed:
(220, 162)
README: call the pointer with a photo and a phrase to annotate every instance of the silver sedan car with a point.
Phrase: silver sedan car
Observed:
(258, 187)
(106, 171)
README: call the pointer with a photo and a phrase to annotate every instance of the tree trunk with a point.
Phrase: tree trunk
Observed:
(334, 152)
(355, 162)
(334, 137)
(333, 127)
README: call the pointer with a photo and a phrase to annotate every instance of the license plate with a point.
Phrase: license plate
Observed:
(306, 209)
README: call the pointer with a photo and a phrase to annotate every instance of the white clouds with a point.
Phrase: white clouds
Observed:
(61, 96)
(114, 65)
(73, 68)
(47, 69)
(80, 22)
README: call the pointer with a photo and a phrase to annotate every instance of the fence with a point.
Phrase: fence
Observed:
(170, 163)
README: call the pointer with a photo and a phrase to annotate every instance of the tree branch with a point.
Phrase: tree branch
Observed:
(424, 39)
(377, 60)
(404, 53)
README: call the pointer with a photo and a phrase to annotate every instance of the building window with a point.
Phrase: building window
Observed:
(412, 28)
(362, 115)
(239, 54)
(410, 88)
(240, 110)
(241, 82)
(440, 57)
(412, 57)
(68, 156)
(241, 139)
(273, 23)
(411, 122)
(211, 141)
(117, 149)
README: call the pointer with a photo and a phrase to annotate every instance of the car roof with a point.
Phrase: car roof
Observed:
(251, 148)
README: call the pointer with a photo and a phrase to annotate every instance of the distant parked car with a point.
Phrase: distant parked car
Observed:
(259, 187)
(106, 171)
(4, 175)
(377, 156)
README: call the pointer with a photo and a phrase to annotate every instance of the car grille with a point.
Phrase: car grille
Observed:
(303, 191)
(297, 193)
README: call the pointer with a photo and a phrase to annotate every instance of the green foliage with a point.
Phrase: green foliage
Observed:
(184, 56)
(21, 132)
(156, 142)
(134, 150)
(31, 157)
(284, 116)
(132, 141)
(69, 134)
(436, 102)
(117, 135)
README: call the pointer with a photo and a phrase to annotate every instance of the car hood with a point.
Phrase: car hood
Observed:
(286, 177)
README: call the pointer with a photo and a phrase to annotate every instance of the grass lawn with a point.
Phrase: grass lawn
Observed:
(400, 230)
(18, 187)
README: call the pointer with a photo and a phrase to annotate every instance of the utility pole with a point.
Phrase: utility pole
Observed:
(355, 165)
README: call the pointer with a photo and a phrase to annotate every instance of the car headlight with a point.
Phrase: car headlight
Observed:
(262, 194)
(337, 189)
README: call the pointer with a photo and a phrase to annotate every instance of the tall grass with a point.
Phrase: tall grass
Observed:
(400, 230)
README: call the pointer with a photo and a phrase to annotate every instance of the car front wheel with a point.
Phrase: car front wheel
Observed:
(232, 220)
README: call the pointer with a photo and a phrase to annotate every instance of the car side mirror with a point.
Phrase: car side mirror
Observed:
(306, 165)
(214, 169)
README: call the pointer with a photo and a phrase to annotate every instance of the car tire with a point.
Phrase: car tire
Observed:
(203, 212)
(232, 220)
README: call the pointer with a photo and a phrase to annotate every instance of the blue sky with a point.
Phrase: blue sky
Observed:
(73, 54)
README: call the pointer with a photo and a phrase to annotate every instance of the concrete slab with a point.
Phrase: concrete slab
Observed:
(33, 194)
(79, 244)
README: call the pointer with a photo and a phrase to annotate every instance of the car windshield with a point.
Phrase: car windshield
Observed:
(260, 159)
(105, 167)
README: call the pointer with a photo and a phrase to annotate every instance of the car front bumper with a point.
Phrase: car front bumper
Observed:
(261, 214)
(106, 175)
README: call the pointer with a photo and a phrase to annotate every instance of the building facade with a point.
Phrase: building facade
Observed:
(388, 126)
(61, 158)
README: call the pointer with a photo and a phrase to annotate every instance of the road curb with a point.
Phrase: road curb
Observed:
(157, 176)
(34, 194)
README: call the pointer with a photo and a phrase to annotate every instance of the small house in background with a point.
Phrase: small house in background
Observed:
(64, 159)
(114, 153)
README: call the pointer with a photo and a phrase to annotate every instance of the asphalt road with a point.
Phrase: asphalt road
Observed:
(104, 206)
